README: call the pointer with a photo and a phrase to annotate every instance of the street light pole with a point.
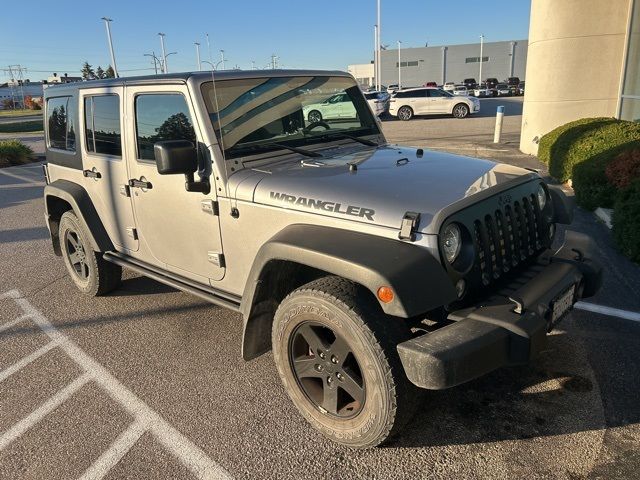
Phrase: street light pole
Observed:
(222, 59)
(198, 55)
(155, 64)
(399, 67)
(107, 22)
(164, 56)
(481, 45)
(375, 57)
(378, 42)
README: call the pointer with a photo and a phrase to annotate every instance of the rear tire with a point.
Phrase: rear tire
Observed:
(314, 116)
(333, 347)
(90, 273)
(461, 110)
(405, 113)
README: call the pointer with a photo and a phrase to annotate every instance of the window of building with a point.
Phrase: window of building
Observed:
(475, 59)
(630, 102)
(102, 125)
(161, 117)
(408, 64)
(60, 129)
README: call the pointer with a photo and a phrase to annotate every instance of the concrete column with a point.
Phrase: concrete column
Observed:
(574, 64)
(512, 57)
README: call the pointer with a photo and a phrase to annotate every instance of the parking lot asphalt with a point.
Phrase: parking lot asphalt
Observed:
(148, 382)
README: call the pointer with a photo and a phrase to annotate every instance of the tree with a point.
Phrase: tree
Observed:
(87, 72)
(109, 73)
(100, 73)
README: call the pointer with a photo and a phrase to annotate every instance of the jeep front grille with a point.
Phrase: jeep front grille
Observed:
(508, 237)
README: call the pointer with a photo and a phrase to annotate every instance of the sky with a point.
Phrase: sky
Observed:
(47, 37)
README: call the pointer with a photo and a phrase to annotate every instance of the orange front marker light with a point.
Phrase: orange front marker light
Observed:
(385, 294)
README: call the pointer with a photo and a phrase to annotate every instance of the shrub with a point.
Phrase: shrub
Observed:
(626, 221)
(581, 150)
(14, 152)
(624, 169)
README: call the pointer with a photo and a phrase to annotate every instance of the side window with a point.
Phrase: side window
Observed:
(161, 117)
(60, 124)
(435, 93)
(102, 124)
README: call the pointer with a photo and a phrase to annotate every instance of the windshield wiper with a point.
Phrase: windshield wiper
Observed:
(363, 141)
(301, 151)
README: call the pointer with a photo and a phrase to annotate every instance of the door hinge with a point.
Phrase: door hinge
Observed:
(216, 258)
(132, 232)
(409, 226)
(210, 207)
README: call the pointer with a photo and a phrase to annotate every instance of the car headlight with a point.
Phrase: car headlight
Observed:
(541, 194)
(451, 242)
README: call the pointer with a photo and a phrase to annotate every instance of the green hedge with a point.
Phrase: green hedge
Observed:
(582, 149)
(626, 221)
(14, 152)
(19, 127)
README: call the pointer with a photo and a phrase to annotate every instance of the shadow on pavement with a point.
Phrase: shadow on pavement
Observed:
(23, 234)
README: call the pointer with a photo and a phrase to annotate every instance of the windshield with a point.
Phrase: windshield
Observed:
(262, 114)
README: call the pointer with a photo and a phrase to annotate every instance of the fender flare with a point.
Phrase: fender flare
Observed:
(81, 204)
(417, 278)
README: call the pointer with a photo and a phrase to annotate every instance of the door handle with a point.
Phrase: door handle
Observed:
(140, 184)
(91, 173)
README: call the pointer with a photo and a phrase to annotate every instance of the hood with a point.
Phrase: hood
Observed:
(385, 183)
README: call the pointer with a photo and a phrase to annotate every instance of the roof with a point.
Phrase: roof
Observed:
(197, 76)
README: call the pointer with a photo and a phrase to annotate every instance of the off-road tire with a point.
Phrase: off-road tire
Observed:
(352, 313)
(405, 113)
(98, 276)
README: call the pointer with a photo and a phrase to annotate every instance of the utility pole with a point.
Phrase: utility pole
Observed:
(155, 59)
(16, 81)
(164, 56)
(253, 64)
(198, 55)
(107, 23)
(222, 59)
(378, 42)
(274, 61)
(399, 67)
(481, 45)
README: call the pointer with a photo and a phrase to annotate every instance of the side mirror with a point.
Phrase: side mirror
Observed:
(180, 157)
(175, 157)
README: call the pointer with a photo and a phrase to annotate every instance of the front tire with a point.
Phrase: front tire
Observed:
(405, 113)
(336, 355)
(461, 110)
(314, 116)
(90, 273)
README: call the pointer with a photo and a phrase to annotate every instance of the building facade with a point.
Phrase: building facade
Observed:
(454, 63)
(584, 61)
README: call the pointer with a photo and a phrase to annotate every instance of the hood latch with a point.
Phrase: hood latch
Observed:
(410, 223)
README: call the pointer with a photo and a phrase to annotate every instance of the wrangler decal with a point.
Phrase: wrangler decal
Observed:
(316, 204)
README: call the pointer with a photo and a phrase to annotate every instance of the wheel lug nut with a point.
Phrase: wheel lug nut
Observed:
(334, 359)
(329, 380)
(318, 367)
(339, 376)
(322, 355)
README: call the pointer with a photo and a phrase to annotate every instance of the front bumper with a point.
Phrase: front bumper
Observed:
(509, 329)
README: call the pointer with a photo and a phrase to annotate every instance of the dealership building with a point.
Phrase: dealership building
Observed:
(447, 63)
(584, 61)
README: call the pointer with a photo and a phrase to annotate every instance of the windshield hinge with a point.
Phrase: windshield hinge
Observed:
(409, 226)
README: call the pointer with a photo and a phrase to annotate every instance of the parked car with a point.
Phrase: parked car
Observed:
(491, 82)
(333, 245)
(512, 81)
(449, 86)
(378, 101)
(482, 91)
(335, 107)
(470, 83)
(461, 90)
(431, 84)
(405, 104)
(503, 90)
(392, 88)
(521, 88)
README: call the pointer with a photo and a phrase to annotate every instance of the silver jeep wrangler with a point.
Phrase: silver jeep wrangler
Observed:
(371, 270)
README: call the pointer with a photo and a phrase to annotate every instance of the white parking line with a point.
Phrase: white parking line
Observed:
(16, 367)
(612, 312)
(13, 323)
(42, 411)
(182, 448)
(118, 449)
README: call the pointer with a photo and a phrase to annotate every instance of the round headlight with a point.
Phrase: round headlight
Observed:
(451, 242)
(542, 197)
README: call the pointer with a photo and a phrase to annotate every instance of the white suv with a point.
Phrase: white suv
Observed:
(427, 101)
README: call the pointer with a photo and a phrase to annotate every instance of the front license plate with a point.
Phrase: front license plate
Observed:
(562, 305)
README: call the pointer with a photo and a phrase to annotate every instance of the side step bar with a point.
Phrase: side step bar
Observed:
(179, 282)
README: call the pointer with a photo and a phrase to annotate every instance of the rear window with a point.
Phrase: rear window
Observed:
(102, 125)
(411, 94)
(61, 132)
